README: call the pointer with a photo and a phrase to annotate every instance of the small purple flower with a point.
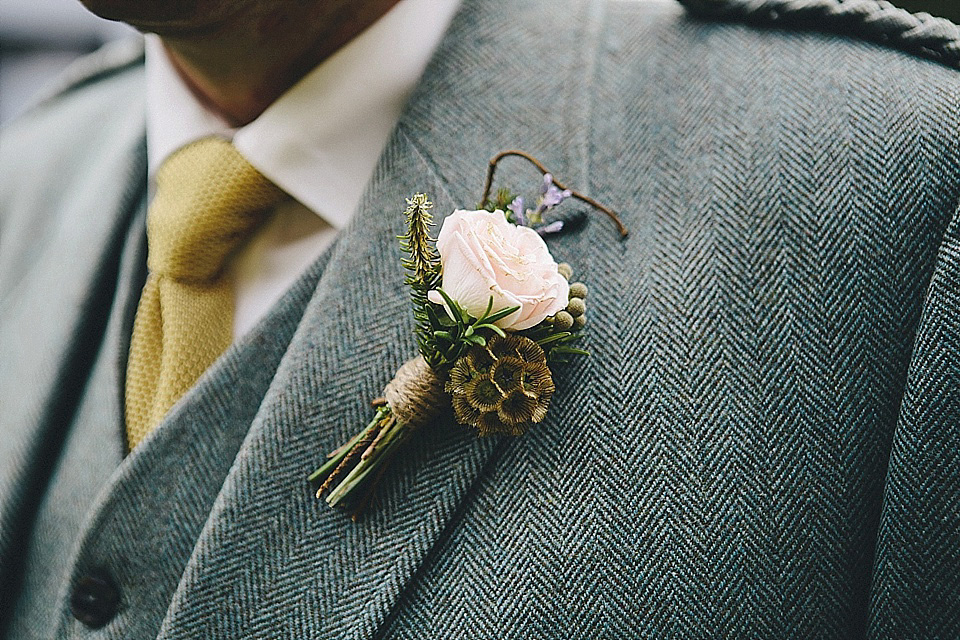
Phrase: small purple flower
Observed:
(517, 207)
(547, 183)
(554, 227)
(550, 195)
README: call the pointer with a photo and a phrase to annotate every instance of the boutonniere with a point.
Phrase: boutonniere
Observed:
(494, 312)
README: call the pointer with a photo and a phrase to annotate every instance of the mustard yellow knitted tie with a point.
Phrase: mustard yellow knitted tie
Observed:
(209, 200)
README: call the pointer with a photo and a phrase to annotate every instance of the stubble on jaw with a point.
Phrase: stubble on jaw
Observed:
(238, 56)
(194, 19)
(168, 16)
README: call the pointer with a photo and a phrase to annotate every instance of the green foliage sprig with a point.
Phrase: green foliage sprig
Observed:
(556, 343)
(440, 338)
(453, 336)
(500, 201)
(423, 270)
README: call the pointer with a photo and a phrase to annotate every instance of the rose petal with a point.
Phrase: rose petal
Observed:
(484, 255)
(466, 280)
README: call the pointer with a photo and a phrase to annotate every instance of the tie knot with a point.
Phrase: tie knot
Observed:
(209, 200)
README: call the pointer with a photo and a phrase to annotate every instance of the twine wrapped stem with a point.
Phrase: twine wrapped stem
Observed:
(413, 399)
(415, 394)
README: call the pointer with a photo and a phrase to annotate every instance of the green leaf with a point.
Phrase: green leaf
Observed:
(487, 312)
(499, 315)
(478, 340)
(492, 327)
(554, 338)
(569, 350)
(431, 314)
(458, 312)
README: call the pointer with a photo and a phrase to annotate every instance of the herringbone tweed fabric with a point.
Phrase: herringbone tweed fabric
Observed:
(762, 444)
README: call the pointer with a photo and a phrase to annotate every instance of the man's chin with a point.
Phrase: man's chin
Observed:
(166, 17)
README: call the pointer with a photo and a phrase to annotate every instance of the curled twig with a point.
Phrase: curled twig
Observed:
(492, 168)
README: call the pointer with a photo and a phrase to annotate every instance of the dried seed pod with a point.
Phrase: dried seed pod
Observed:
(478, 360)
(501, 388)
(465, 411)
(517, 407)
(578, 290)
(460, 374)
(529, 351)
(483, 394)
(563, 321)
(490, 424)
(507, 374)
(579, 322)
(576, 307)
(565, 270)
(538, 380)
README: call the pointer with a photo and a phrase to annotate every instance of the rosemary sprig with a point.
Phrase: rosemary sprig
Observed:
(454, 335)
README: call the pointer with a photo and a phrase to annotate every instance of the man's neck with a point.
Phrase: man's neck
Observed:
(240, 68)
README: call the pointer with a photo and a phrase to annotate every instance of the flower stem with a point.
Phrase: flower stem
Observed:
(318, 477)
(395, 435)
(360, 506)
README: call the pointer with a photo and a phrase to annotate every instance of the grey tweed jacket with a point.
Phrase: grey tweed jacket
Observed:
(764, 443)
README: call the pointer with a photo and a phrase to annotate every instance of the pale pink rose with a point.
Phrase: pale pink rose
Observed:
(483, 255)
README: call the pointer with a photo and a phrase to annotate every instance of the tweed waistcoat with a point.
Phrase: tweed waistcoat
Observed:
(170, 497)
(762, 444)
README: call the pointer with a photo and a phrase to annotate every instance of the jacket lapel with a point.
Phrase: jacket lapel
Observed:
(919, 531)
(273, 556)
(52, 320)
(354, 334)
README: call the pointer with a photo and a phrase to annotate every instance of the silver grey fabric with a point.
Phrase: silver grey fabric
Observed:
(80, 471)
(762, 443)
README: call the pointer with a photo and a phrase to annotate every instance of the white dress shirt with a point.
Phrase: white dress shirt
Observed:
(319, 142)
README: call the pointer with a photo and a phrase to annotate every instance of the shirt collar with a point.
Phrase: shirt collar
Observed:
(321, 140)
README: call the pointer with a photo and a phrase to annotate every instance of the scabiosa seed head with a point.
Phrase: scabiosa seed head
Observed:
(517, 407)
(483, 394)
(460, 374)
(465, 412)
(507, 373)
(503, 387)
(528, 351)
(479, 361)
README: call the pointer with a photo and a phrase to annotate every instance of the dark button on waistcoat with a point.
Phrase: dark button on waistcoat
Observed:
(95, 599)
